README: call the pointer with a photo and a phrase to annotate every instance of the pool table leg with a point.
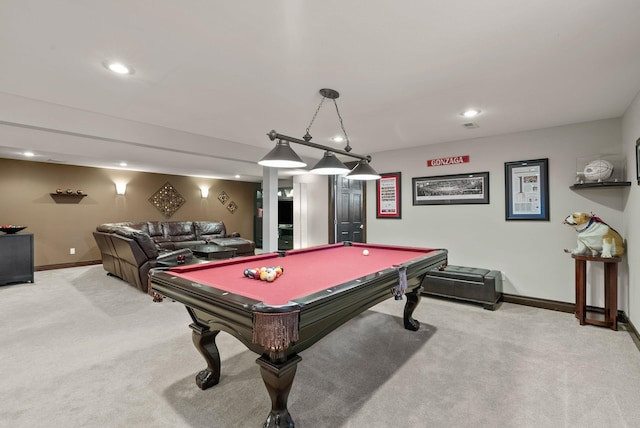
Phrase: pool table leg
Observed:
(278, 378)
(205, 342)
(413, 298)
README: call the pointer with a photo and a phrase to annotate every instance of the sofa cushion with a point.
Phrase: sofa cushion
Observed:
(112, 227)
(166, 246)
(127, 252)
(209, 229)
(142, 226)
(144, 242)
(156, 232)
(109, 256)
(177, 231)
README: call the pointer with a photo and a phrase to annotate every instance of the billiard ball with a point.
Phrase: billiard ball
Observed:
(365, 252)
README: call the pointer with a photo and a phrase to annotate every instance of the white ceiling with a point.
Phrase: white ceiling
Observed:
(213, 77)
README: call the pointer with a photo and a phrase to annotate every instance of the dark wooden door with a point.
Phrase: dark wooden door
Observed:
(349, 209)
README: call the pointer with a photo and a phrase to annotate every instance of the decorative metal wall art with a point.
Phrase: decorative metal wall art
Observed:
(223, 197)
(167, 200)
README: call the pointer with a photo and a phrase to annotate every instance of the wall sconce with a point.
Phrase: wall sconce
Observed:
(121, 188)
(283, 156)
(204, 191)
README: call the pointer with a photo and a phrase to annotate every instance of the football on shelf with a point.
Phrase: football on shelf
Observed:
(598, 170)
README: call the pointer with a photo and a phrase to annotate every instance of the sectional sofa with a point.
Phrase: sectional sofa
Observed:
(129, 250)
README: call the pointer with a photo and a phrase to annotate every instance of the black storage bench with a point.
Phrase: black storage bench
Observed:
(466, 283)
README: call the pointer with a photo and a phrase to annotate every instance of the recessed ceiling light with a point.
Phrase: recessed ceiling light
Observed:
(338, 139)
(237, 175)
(29, 154)
(123, 164)
(472, 112)
(118, 67)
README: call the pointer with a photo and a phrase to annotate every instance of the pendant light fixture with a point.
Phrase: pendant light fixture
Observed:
(283, 156)
(329, 165)
(363, 171)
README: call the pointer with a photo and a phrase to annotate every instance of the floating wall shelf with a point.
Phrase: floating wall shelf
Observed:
(66, 198)
(600, 185)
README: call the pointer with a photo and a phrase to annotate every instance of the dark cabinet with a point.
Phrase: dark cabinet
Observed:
(257, 231)
(285, 219)
(285, 237)
(16, 258)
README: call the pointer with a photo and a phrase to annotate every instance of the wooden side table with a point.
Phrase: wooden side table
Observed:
(610, 290)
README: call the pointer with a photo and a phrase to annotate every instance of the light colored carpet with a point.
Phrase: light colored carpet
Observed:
(81, 349)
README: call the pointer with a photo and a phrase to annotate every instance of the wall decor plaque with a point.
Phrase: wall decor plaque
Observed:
(232, 207)
(388, 195)
(167, 200)
(223, 197)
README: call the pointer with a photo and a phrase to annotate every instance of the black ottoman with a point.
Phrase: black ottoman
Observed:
(465, 283)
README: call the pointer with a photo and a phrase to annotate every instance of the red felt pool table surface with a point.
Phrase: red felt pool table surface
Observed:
(306, 271)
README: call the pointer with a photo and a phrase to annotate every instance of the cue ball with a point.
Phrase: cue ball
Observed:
(365, 252)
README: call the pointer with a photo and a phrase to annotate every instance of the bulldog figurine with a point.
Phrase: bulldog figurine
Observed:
(595, 237)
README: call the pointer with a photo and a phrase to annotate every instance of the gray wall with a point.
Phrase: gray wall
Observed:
(530, 253)
(310, 225)
(631, 229)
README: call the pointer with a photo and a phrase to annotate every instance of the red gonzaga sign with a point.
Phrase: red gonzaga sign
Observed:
(452, 160)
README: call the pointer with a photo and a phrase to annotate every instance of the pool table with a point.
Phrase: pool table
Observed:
(320, 289)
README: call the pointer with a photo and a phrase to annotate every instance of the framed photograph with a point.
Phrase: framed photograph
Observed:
(388, 203)
(527, 190)
(472, 188)
(638, 160)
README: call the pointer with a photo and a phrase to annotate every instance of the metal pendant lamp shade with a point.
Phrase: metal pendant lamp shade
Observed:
(363, 171)
(282, 156)
(330, 165)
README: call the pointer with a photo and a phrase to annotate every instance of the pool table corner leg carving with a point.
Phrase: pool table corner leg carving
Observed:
(278, 378)
(205, 342)
(413, 299)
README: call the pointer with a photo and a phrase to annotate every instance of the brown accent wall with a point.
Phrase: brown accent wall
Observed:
(25, 199)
